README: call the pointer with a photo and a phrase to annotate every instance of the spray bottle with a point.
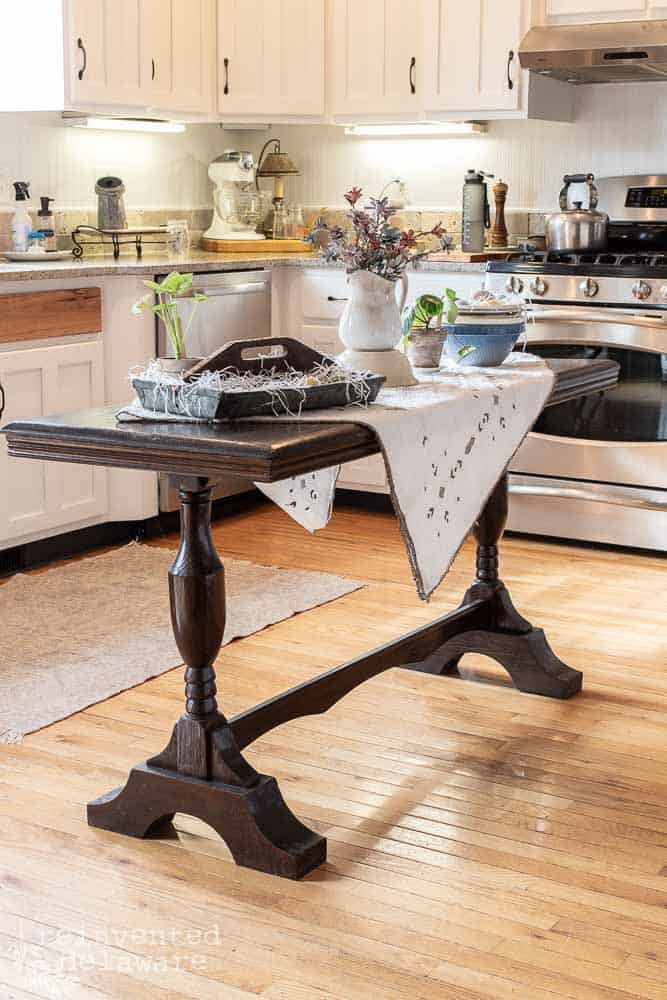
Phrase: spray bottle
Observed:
(46, 223)
(21, 221)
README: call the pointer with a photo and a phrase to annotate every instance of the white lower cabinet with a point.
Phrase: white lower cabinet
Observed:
(38, 496)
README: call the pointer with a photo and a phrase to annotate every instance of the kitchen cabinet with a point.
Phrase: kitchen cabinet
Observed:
(38, 496)
(474, 65)
(471, 67)
(374, 58)
(126, 57)
(177, 54)
(270, 59)
(103, 42)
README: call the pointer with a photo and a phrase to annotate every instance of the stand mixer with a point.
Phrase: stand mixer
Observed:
(238, 207)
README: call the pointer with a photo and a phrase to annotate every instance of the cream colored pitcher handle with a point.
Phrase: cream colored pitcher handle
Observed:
(403, 281)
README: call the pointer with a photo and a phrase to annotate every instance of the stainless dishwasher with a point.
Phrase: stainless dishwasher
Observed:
(238, 308)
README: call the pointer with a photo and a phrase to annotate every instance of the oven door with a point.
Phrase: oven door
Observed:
(596, 468)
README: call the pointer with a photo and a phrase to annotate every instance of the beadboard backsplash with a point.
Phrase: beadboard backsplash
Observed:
(618, 129)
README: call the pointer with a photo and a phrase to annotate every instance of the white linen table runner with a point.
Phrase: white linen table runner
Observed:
(445, 443)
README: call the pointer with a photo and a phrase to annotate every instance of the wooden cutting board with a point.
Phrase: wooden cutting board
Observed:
(479, 257)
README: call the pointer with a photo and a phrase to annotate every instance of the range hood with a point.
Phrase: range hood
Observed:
(622, 52)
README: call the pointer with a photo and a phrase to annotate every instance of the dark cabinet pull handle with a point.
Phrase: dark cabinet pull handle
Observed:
(82, 47)
(225, 63)
(413, 87)
(152, 69)
(335, 298)
(3, 399)
(510, 81)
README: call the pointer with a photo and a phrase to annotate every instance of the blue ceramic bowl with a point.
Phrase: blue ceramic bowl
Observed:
(492, 342)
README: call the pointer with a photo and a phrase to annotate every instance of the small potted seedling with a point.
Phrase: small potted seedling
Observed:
(423, 329)
(166, 300)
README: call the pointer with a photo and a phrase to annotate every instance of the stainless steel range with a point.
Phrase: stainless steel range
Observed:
(596, 469)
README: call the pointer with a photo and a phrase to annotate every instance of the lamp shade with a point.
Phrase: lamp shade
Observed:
(276, 165)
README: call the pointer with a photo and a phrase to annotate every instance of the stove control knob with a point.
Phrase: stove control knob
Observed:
(641, 290)
(514, 284)
(539, 286)
(589, 288)
(663, 292)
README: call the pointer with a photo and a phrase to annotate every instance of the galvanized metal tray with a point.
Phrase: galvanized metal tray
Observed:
(266, 354)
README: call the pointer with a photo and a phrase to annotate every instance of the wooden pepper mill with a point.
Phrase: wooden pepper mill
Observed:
(499, 231)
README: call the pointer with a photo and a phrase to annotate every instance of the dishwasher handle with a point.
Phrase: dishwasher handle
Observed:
(243, 288)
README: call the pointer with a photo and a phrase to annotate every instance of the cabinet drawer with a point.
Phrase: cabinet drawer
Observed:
(40, 315)
(323, 296)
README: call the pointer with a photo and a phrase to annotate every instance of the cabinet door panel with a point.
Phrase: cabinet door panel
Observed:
(156, 52)
(109, 59)
(374, 45)
(44, 495)
(193, 51)
(23, 502)
(470, 67)
(271, 57)
(76, 383)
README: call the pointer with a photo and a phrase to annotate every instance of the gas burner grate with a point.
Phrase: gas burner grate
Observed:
(606, 257)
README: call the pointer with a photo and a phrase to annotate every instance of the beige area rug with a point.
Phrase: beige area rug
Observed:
(78, 634)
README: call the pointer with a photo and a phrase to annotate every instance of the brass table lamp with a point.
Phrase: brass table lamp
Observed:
(278, 165)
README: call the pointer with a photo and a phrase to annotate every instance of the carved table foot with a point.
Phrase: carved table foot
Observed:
(508, 638)
(202, 771)
(256, 824)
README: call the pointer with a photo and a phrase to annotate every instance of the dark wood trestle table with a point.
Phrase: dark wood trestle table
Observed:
(203, 771)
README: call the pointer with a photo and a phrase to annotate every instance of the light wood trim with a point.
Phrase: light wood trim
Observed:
(58, 313)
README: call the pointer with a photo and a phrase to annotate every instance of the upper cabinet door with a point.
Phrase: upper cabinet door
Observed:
(270, 58)
(573, 11)
(156, 52)
(103, 40)
(193, 55)
(471, 62)
(178, 54)
(374, 58)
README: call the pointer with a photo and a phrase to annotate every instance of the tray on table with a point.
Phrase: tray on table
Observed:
(270, 355)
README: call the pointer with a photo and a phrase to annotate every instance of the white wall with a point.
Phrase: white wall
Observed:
(619, 129)
(159, 170)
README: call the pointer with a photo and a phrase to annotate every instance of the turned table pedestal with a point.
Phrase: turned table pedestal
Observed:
(203, 771)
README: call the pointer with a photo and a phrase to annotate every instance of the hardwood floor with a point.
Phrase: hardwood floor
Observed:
(482, 843)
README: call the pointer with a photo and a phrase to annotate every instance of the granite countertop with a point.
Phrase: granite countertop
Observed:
(196, 261)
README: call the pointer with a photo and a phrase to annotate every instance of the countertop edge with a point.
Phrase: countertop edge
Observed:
(197, 262)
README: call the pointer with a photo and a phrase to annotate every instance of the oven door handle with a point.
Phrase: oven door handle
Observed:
(578, 315)
(573, 493)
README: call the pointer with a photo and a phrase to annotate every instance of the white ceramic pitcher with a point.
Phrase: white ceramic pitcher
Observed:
(371, 320)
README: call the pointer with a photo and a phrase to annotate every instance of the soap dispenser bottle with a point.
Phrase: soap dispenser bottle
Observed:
(21, 221)
(46, 223)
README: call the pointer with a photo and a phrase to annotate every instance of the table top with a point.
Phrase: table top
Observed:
(264, 451)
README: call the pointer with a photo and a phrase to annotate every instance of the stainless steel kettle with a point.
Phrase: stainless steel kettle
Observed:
(577, 229)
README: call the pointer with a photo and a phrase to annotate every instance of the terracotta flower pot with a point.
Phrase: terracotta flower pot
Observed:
(425, 347)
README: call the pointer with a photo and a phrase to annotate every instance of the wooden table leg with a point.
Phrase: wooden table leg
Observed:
(510, 639)
(202, 772)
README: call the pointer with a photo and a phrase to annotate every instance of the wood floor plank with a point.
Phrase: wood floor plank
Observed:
(483, 844)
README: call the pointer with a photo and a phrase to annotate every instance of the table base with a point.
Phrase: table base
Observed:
(202, 771)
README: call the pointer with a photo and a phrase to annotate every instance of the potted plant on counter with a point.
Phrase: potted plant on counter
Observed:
(166, 300)
(423, 330)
